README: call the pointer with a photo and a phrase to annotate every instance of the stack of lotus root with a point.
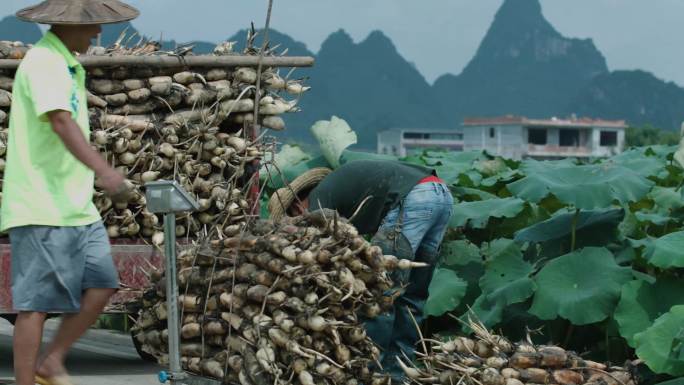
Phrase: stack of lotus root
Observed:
(489, 359)
(13, 49)
(185, 124)
(279, 303)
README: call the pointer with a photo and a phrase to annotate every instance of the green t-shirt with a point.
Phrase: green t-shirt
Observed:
(44, 184)
(385, 182)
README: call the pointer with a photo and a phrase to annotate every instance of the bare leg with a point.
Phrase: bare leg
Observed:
(28, 332)
(72, 327)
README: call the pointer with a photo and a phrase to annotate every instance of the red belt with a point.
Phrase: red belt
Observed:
(431, 178)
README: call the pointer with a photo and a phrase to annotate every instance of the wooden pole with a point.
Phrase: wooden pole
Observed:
(254, 132)
(169, 61)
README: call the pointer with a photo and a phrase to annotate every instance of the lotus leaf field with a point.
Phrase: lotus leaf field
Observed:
(588, 255)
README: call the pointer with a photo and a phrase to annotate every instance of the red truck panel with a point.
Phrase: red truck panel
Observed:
(132, 259)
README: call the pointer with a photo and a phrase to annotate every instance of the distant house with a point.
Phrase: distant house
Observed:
(402, 141)
(520, 137)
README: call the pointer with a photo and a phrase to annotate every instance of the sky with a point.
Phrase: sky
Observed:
(437, 36)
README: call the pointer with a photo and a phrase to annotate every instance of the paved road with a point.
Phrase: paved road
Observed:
(99, 358)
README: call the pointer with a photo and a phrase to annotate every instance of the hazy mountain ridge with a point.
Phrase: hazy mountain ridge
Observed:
(14, 29)
(523, 66)
(370, 85)
(636, 96)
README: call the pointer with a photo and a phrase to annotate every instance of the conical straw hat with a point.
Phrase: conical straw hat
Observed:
(283, 198)
(75, 12)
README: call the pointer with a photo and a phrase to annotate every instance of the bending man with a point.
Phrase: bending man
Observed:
(382, 197)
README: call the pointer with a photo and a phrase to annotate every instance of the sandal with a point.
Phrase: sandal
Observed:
(62, 379)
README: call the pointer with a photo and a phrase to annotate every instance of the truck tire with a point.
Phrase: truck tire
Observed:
(143, 355)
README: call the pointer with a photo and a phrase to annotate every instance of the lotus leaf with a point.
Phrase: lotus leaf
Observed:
(477, 214)
(667, 251)
(676, 381)
(333, 136)
(635, 159)
(530, 215)
(583, 286)
(450, 172)
(473, 176)
(530, 166)
(450, 165)
(654, 218)
(661, 151)
(666, 198)
(465, 259)
(585, 187)
(642, 303)
(482, 310)
(445, 292)
(661, 345)
(507, 276)
(459, 191)
(413, 158)
(629, 227)
(593, 228)
(459, 253)
(505, 176)
(457, 157)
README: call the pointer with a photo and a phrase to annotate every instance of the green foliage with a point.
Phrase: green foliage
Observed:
(593, 228)
(661, 346)
(649, 135)
(642, 303)
(487, 312)
(477, 214)
(507, 276)
(446, 291)
(450, 165)
(668, 251)
(460, 253)
(652, 218)
(549, 244)
(676, 381)
(641, 161)
(666, 199)
(582, 287)
(464, 258)
(585, 187)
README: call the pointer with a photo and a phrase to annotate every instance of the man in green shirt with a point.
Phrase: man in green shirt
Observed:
(383, 198)
(61, 260)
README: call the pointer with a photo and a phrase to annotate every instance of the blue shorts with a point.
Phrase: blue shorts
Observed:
(52, 266)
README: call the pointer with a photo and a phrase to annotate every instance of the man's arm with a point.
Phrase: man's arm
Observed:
(74, 140)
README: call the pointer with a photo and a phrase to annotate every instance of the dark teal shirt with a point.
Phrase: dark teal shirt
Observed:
(385, 182)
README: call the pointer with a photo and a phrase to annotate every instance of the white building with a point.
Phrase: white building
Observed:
(401, 141)
(520, 137)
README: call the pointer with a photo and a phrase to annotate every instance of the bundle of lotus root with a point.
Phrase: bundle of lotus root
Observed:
(279, 303)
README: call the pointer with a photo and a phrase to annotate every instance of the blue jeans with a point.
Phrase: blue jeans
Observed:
(427, 210)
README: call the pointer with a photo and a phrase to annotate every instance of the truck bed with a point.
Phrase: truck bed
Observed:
(133, 258)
